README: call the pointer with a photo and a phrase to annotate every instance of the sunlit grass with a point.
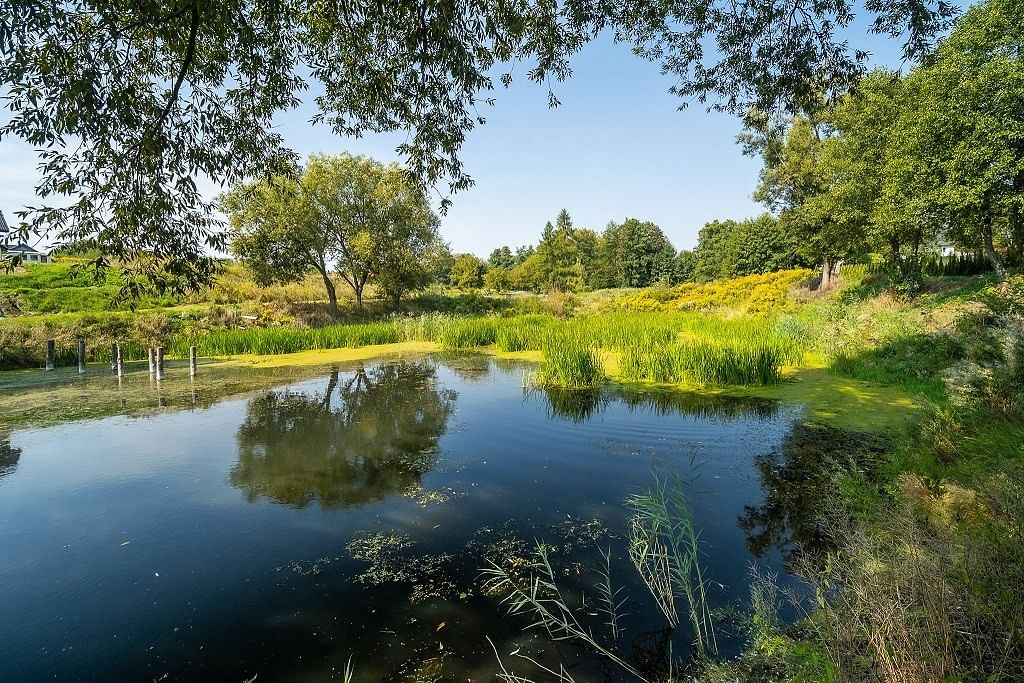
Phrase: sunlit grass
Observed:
(704, 362)
(570, 361)
(658, 347)
(274, 340)
(467, 333)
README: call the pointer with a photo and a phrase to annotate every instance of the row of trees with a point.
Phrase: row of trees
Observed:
(372, 225)
(902, 162)
(633, 253)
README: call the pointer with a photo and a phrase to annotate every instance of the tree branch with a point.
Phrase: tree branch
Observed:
(190, 53)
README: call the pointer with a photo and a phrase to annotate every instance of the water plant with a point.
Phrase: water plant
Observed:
(542, 600)
(664, 547)
(705, 362)
(467, 333)
(570, 361)
(273, 340)
(522, 333)
(611, 604)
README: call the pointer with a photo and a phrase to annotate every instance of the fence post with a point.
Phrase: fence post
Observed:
(81, 356)
(49, 354)
(159, 363)
(120, 363)
(152, 368)
(191, 361)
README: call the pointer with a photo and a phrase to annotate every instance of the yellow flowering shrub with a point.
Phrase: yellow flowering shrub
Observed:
(751, 294)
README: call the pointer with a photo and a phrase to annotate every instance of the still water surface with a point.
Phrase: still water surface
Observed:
(279, 533)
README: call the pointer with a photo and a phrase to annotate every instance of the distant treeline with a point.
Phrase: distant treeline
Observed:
(633, 253)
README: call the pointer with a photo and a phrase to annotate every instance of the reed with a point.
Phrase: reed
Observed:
(659, 347)
(570, 361)
(665, 549)
(277, 340)
(466, 333)
(522, 333)
(705, 362)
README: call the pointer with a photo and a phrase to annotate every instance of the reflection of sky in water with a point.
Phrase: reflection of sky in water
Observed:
(212, 543)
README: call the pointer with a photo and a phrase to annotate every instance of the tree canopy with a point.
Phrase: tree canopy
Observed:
(902, 161)
(131, 102)
(635, 253)
(368, 222)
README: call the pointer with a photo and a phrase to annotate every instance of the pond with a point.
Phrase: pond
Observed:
(346, 515)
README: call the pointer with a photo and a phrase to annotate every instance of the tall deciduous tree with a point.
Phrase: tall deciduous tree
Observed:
(347, 214)
(972, 94)
(791, 178)
(736, 248)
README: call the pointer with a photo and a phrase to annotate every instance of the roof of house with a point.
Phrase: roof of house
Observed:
(19, 247)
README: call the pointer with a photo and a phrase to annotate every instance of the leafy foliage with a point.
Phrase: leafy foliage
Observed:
(348, 214)
(132, 102)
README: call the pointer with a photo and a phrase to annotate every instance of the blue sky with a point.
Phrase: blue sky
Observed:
(616, 148)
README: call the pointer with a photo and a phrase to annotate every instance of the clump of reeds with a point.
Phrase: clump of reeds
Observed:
(542, 600)
(522, 333)
(274, 340)
(704, 362)
(466, 333)
(664, 548)
(570, 362)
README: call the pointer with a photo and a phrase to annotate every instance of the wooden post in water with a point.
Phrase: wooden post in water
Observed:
(152, 367)
(81, 356)
(159, 364)
(191, 361)
(113, 356)
(49, 354)
(120, 363)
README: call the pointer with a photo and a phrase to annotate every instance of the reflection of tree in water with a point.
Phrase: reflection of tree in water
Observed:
(798, 482)
(367, 436)
(9, 455)
(469, 367)
(579, 405)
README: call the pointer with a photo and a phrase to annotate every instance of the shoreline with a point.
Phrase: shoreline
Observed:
(830, 399)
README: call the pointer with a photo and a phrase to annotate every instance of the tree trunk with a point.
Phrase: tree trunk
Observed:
(990, 250)
(359, 296)
(332, 295)
(396, 299)
(829, 274)
(332, 386)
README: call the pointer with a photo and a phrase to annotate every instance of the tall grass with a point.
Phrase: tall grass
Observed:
(570, 361)
(664, 547)
(705, 362)
(274, 340)
(522, 333)
(467, 333)
(660, 347)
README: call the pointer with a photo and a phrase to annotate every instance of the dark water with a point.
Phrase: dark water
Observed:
(280, 533)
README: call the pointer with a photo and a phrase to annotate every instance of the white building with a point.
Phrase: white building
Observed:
(28, 254)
